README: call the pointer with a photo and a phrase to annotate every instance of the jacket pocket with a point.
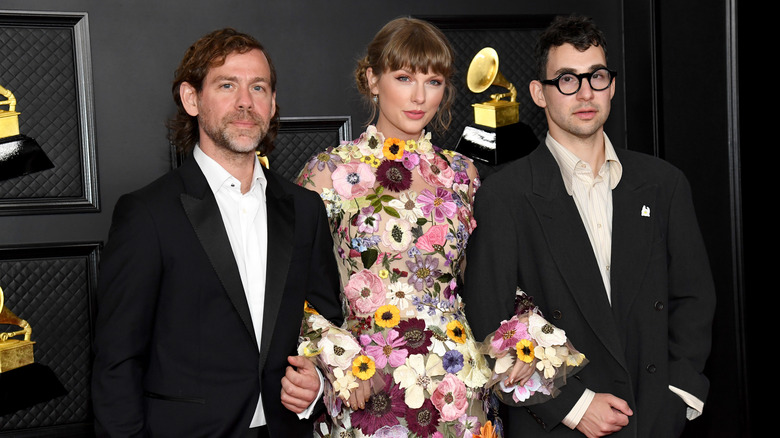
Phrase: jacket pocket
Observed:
(173, 398)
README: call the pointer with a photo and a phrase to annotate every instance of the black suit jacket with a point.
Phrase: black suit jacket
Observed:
(175, 350)
(657, 330)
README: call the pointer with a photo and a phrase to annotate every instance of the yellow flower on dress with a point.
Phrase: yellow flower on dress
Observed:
(363, 367)
(387, 316)
(384, 273)
(548, 360)
(525, 350)
(307, 308)
(371, 160)
(411, 145)
(456, 332)
(393, 149)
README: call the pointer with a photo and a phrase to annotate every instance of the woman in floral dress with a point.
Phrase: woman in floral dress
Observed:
(400, 211)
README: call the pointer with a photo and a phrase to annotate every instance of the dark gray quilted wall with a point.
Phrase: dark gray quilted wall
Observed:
(38, 67)
(299, 139)
(51, 287)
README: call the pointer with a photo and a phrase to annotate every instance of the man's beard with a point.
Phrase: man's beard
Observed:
(230, 138)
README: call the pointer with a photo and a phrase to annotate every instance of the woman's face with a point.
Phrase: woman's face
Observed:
(407, 101)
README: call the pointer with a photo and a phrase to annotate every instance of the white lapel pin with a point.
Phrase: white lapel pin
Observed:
(645, 211)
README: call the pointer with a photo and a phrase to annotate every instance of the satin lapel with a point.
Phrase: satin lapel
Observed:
(571, 248)
(632, 237)
(281, 228)
(203, 213)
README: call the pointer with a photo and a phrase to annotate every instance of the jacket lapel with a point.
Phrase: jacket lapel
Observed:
(570, 247)
(632, 236)
(281, 228)
(203, 213)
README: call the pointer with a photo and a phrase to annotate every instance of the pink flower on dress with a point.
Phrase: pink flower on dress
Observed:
(433, 239)
(441, 204)
(509, 334)
(436, 171)
(353, 180)
(450, 398)
(385, 351)
(365, 292)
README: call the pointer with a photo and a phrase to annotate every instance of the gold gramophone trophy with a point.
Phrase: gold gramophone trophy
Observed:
(483, 72)
(497, 120)
(19, 154)
(14, 353)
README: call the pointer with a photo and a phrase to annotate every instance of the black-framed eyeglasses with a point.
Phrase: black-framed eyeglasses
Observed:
(570, 83)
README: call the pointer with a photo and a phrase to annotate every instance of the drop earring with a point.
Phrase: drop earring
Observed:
(375, 98)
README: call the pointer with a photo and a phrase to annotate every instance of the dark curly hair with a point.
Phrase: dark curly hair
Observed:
(208, 52)
(580, 32)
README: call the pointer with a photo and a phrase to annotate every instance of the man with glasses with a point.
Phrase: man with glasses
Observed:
(607, 243)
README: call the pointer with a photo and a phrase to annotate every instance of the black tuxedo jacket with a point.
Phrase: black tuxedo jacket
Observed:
(175, 349)
(657, 330)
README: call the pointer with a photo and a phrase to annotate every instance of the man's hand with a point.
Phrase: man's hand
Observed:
(300, 384)
(606, 415)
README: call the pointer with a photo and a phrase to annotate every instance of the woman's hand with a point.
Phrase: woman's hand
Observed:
(521, 372)
(359, 396)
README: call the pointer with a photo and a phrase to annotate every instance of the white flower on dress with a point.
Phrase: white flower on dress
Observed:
(343, 382)
(407, 206)
(397, 234)
(339, 348)
(400, 295)
(547, 360)
(545, 334)
(416, 377)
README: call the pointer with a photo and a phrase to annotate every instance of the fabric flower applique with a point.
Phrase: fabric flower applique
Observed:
(339, 348)
(397, 234)
(399, 294)
(436, 171)
(418, 339)
(423, 421)
(545, 333)
(424, 271)
(368, 221)
(434, 239)
(407, 206)
(365, 291)
(383, 408)
(383, 350)
(324, 159)
(393, 176)
(352, 180)
(440, 204)
(416, 376)
(393, 148)
(449, 397)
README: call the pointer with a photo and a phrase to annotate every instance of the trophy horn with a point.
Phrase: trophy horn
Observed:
(483, 72)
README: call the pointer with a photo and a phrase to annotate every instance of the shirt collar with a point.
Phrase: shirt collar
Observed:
(217, 177)
(567, 162)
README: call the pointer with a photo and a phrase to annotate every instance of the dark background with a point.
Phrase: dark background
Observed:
(678, 98)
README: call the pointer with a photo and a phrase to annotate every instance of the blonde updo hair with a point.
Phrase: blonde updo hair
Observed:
(416, 45)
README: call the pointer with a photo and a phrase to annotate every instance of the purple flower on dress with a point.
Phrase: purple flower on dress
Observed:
(410, 160)
(385, 351)
(424, 270)
(394, 176)
(368, 221)
(417, 338)
(441, 204)
(324, 158)
(452, 361)
(383, 408)
(423, 421)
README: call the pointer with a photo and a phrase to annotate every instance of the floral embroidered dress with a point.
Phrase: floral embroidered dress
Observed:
(401, 214)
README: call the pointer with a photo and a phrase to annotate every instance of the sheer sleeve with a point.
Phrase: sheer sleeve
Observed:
(527, 336)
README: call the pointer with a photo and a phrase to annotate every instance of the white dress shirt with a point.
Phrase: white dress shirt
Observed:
(245, 219)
